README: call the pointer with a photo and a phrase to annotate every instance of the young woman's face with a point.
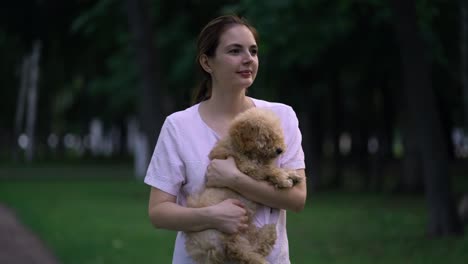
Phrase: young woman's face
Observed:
(235, 63)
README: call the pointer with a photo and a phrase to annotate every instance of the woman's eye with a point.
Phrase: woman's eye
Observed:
(234, 51)
(254, 52)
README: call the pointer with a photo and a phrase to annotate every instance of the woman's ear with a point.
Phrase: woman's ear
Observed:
(204, 62)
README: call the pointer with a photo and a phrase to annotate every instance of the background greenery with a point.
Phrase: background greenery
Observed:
(93, 220)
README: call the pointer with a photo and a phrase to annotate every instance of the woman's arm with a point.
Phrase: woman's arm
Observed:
(291, 199)
(224, 173)
(228, 216)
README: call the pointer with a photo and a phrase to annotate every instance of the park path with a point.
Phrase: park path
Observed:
(18, 245)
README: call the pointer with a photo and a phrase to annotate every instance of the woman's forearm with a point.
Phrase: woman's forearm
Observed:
(169, 215)
(262, 192)
(228, 216)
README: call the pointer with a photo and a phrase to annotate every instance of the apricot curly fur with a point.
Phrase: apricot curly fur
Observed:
(255, 140)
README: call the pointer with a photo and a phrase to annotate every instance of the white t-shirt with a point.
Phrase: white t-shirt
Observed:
(180, 159)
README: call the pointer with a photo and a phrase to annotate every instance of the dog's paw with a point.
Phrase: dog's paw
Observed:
(294, 177)
(286, 183)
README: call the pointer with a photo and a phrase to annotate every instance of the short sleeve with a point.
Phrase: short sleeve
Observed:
(293, 158)
(166, 169)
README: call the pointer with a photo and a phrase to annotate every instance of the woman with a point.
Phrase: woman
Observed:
(227, 55)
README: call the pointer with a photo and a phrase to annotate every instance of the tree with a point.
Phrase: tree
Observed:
(33, 87)
(464, 58)
(151, 96)
(424, 121)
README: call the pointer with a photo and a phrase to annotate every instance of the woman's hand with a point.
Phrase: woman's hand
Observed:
(220, 173)
(229, 216)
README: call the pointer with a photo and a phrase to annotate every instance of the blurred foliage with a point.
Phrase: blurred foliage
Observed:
(306, 46)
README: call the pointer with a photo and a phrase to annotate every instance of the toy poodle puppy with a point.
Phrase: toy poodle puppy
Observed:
(255, 140)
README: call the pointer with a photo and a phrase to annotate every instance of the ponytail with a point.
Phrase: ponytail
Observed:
(202, 91)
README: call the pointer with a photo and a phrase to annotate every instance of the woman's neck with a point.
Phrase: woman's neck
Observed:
(222, 108)
(228, 105)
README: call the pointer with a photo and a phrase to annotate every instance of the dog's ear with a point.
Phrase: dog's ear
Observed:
(244, 135)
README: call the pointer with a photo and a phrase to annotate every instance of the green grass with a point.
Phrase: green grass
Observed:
(97, 219)
(364, 228)
(86, 221)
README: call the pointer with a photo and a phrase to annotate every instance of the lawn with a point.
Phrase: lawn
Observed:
(98, 214)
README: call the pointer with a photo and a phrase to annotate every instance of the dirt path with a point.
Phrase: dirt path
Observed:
(18, 245)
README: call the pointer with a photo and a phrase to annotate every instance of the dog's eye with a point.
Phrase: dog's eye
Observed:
(279, 151)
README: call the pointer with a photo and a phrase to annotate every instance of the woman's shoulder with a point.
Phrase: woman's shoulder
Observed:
(281, 109)
(183, 117)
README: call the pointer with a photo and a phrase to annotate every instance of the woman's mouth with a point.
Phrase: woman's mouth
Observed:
(245, 74)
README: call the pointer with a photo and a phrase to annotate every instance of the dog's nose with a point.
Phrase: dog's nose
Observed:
(279, 151)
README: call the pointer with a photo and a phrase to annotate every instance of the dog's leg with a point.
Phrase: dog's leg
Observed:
(278, 177)
(263, 239)
(249, 168)
(238, 248)
(283, 178)
(294, 176)
(205, 247)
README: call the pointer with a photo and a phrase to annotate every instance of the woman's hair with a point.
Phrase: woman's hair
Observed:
(208, 41)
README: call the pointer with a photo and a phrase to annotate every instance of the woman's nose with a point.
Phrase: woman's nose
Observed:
(248, 58)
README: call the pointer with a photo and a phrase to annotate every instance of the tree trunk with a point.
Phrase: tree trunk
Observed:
(464, 58)
(33, 93)
(361, 133)
(151, 97)
(20, 104)
(384, 123)
(310, 132)
(425, 122)
(411, 180)
(337, 128)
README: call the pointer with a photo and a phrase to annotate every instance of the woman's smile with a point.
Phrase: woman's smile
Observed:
(245, 74)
